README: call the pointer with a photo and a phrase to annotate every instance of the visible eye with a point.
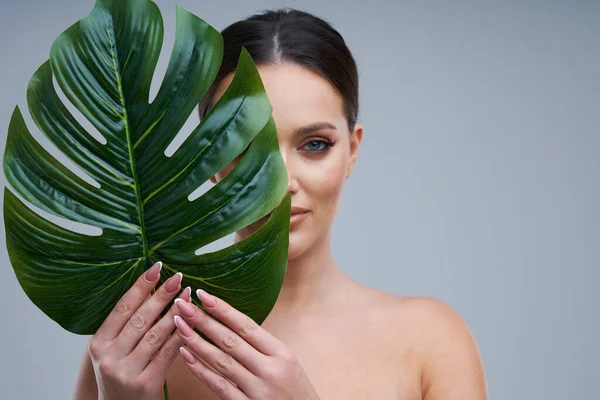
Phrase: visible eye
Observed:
(318, 146)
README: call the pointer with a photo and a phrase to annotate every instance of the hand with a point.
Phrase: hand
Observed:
(249, 363)
(122, 348)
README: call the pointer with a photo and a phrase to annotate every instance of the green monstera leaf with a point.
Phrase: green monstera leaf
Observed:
(104, 65)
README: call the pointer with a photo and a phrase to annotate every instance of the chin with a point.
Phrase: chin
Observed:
(300, 243)
(294, 250)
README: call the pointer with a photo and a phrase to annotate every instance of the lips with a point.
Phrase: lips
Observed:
(294, 211)
(298, 210)
(297, 217)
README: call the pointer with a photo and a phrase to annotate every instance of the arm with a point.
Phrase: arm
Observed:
(131, 352)
(85, 385)
(452, 367)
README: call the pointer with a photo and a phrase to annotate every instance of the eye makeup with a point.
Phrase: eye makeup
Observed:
(325, 145)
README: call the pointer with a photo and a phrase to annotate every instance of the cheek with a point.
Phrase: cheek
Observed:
(324, 181)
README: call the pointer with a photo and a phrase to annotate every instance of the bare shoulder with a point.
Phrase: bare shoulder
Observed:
(423, 313)
(430, 319)
(426, 320)
(446, 350)
(451, 362)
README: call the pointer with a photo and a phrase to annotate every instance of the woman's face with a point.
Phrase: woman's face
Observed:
(317, 147)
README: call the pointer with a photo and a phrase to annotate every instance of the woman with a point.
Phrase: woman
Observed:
(327, 337)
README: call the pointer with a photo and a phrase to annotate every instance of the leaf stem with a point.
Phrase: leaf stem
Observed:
(166, 390)
(165, 386)
(125, 119)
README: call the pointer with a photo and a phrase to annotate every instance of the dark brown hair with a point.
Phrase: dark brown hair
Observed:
(294, 36)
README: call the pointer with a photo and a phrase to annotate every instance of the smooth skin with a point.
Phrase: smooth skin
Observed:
(328, 337)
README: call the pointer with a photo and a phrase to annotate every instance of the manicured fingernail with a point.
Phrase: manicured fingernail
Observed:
(153, 272)
(187, 356)
(186, 294)
(182, 327)
(206, 299)
(173, 283)
(186, 309)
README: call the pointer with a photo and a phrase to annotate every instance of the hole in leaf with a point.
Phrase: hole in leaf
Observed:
(186, 130)
(162, 62)
(73, 226)
(217, 245)
(205, 187)
(55, 151)
(85, 123)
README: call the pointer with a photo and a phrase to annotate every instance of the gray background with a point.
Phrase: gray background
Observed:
(477, 182)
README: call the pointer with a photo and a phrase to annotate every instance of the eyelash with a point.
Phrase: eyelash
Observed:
(326, 143)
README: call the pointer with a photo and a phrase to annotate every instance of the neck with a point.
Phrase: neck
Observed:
(310, 280)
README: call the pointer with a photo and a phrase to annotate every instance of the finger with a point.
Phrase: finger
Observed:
(129, 303)
(221, 386)
(222, 336)
(143, 318)
(221, 361)
(156, 336)
(158, 367)
(244, 326)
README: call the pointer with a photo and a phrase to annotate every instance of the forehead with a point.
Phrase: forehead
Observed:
(299, 96)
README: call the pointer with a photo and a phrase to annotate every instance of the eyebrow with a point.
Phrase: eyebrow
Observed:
(314, 127)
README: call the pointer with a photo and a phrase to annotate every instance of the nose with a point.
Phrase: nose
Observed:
(293, 184)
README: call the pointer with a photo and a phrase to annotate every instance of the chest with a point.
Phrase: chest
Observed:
(341, 363)
(357, 364)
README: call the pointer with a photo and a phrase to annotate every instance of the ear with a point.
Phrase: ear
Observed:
(355, 140)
